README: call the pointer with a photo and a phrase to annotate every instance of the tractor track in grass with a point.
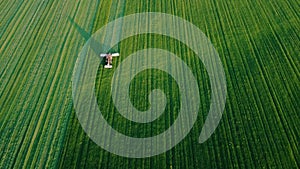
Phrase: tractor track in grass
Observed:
(6, 119)
(280, 42)
(228, 18)
(10, 38)
(250, 80)
(25, 99)
(60, 65)
(11, 52)
(1, 3)
(48, 122)
(17, 69)
(25, 73)
(6, 9)
(280, 115)
(214, 26)
(248, 73)
(264, 73)
(36, 67)
(261, 117)
(239, 156)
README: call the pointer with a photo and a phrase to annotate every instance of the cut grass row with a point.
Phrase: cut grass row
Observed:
(35, 95)
(41, 110)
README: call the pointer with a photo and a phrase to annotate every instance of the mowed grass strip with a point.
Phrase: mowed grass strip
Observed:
(26, 115)
(33, 122)
(7, 119)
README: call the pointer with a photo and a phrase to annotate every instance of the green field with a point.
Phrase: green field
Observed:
(258, 44)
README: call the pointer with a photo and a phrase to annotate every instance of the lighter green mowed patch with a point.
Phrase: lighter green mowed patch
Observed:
(258, 44)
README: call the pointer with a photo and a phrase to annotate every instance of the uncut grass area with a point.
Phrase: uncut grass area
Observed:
(258, 44)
